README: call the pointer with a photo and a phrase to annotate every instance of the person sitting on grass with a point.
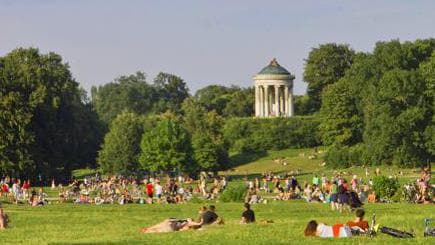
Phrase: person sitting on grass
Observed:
(359, 224)
(248, 215)
(372, 197)
(201, 212)
(4, 220)
(209, 217)
(325, 231)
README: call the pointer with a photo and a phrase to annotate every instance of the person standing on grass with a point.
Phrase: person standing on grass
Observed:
(158, 189)
(316, 180)
(343, 197)
(149, 192)
(248, 215)
(334, 196)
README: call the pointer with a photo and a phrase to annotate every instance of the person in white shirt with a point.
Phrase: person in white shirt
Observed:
(158, 190)
(325, 231)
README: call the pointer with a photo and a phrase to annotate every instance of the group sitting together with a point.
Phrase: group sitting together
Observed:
(207, 216)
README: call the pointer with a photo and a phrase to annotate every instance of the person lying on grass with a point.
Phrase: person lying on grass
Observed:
(4, 220)
(169, 225)
(248, 215)
(359, 225)
(208, 217)
(325, 231)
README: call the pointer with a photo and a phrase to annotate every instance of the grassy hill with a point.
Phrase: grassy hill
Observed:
(301, 162)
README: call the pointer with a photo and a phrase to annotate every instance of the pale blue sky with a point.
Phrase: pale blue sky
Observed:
(204, 42)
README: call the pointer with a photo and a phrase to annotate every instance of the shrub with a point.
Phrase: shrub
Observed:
(233, 193)
(257, 135)
(344, 157)
(385, 187)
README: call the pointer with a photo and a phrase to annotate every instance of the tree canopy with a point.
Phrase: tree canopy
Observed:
(166, 147)
(325, 65)
(46, 127)
(121, 147)
(381, 111)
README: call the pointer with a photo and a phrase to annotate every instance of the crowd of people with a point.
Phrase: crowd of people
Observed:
(114, 189)
(341, 194)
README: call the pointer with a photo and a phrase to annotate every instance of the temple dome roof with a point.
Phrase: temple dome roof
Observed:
(274, 69)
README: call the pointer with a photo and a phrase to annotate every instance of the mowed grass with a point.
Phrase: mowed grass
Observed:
(115, 224)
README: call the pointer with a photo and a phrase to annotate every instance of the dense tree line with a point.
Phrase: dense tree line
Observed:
(369, 108)
(381, 111)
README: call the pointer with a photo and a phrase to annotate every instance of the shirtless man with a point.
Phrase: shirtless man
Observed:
(3, 220)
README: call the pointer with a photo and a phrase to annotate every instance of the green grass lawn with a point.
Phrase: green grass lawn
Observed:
(115, 224)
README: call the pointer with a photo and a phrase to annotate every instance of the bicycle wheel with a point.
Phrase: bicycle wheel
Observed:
(396, 233)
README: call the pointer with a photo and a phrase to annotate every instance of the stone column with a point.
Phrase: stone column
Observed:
(287, 104)
(290, 99)
(266, 101)
(261, 101)
(257, 101)
(276, 100)
(281, 101)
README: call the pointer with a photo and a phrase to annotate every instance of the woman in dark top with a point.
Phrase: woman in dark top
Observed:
(343, 197)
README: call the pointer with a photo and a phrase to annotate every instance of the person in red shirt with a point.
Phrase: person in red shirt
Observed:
(359, 223)
(5, 188)
(149, 191)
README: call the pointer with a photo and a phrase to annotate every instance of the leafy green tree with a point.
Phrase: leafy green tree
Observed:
(210, 150)
(43, 116)
(127, 93)
(241, 103)
(166, 147)
(227, 101)
(325, 65)
(340, 120)
(386, 97)
(171, 92)
(395, 125)
(214, 97)
(121, 148)
(427, 71)
(302, 105)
